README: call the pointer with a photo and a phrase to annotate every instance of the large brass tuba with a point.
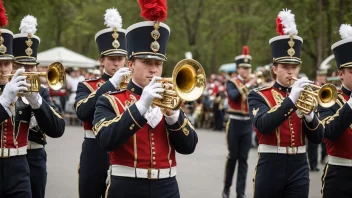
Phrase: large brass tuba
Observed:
(186, 84)
(55, 76)
(314, 95)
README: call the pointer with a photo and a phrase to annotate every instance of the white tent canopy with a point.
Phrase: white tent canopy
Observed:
(66, 57)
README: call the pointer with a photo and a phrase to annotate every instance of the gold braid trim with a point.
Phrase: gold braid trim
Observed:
(102, 123)
(56, 113)
(85, 99)
(182, 126)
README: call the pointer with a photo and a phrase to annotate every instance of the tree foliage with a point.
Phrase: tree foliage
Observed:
(213, 30)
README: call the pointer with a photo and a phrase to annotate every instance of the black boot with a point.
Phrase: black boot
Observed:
(226, 193)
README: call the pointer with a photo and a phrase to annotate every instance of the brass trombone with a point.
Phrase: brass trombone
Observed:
(314, 95)
(55, 76)
(186, 84)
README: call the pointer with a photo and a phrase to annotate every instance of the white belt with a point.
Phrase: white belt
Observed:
(237, 117)
(89, 134)
(33, 145)
(10, 152)
(150, 173)
(339, 161)
(262, 148)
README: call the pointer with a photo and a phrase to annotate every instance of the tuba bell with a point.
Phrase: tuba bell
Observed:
(55, 76)
(186, 84)
(314, 95)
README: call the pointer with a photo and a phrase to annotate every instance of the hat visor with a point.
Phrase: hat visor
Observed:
(244, 65)
(150, 57)
(6, 57)
(288, 61)
(29, 63)
(114, 53)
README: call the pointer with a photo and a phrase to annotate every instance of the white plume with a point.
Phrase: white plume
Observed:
(28, 25)
(188, 55)
(113, 18)
(288, 21)
(345, 31)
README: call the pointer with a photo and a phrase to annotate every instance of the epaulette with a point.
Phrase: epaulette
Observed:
(91, 79)
(261, 88)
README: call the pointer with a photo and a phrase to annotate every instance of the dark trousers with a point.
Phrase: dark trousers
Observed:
(337, 182)
(37, 166)
(14, 177)
(281, 176)
(239, 140)
(125, 187)
(93, 167)
(312, 152)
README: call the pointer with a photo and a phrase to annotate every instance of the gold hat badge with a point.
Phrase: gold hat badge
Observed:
(3, 48)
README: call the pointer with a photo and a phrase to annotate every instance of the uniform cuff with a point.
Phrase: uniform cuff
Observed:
(170, 120)
(38, 103)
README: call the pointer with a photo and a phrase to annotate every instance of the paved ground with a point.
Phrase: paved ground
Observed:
(200, 175)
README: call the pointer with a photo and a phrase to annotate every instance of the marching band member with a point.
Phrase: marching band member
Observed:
(336, 180)
(141, 138)
(94, 160)
(282, 168)
(15, 117)
(239, 125)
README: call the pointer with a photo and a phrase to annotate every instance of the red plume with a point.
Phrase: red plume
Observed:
(3, 18)
(245, 50)
(153, 10)
(279, 26)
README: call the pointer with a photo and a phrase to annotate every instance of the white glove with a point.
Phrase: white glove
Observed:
(11, 89)
(309, 117)
(118, 76)
(149, 93)
(297, 88)
(34, 99)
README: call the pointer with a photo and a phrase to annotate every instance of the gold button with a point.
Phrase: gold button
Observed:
(153, 148)
(288, 113)
(4, 141)
(293, 143)
(131, 127)
(152, 138)
(153, 158)
(293, 136)
(291, 124)
(20, 112)
(132, 89)
(5, 136)
(5, 129)
(154, 153)
(280, 88)
(291, 109)
(152, 134)
(285, 114)
(152, 143)
(5, 120)
(154, 163)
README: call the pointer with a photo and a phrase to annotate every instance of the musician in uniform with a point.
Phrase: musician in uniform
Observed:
(142, 139)
(15, 118)
(239, 126)
(312, 149)
(336, 179)
(282, 167)
(94, 161)
(23, 57)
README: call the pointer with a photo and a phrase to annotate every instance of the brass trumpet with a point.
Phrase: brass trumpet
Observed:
(55, 76)
(314, 95)
(186, 84)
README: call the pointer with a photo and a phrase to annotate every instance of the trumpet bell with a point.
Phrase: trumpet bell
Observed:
(186, 84)
(189, 79)
(56, 75)
(327, 95)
